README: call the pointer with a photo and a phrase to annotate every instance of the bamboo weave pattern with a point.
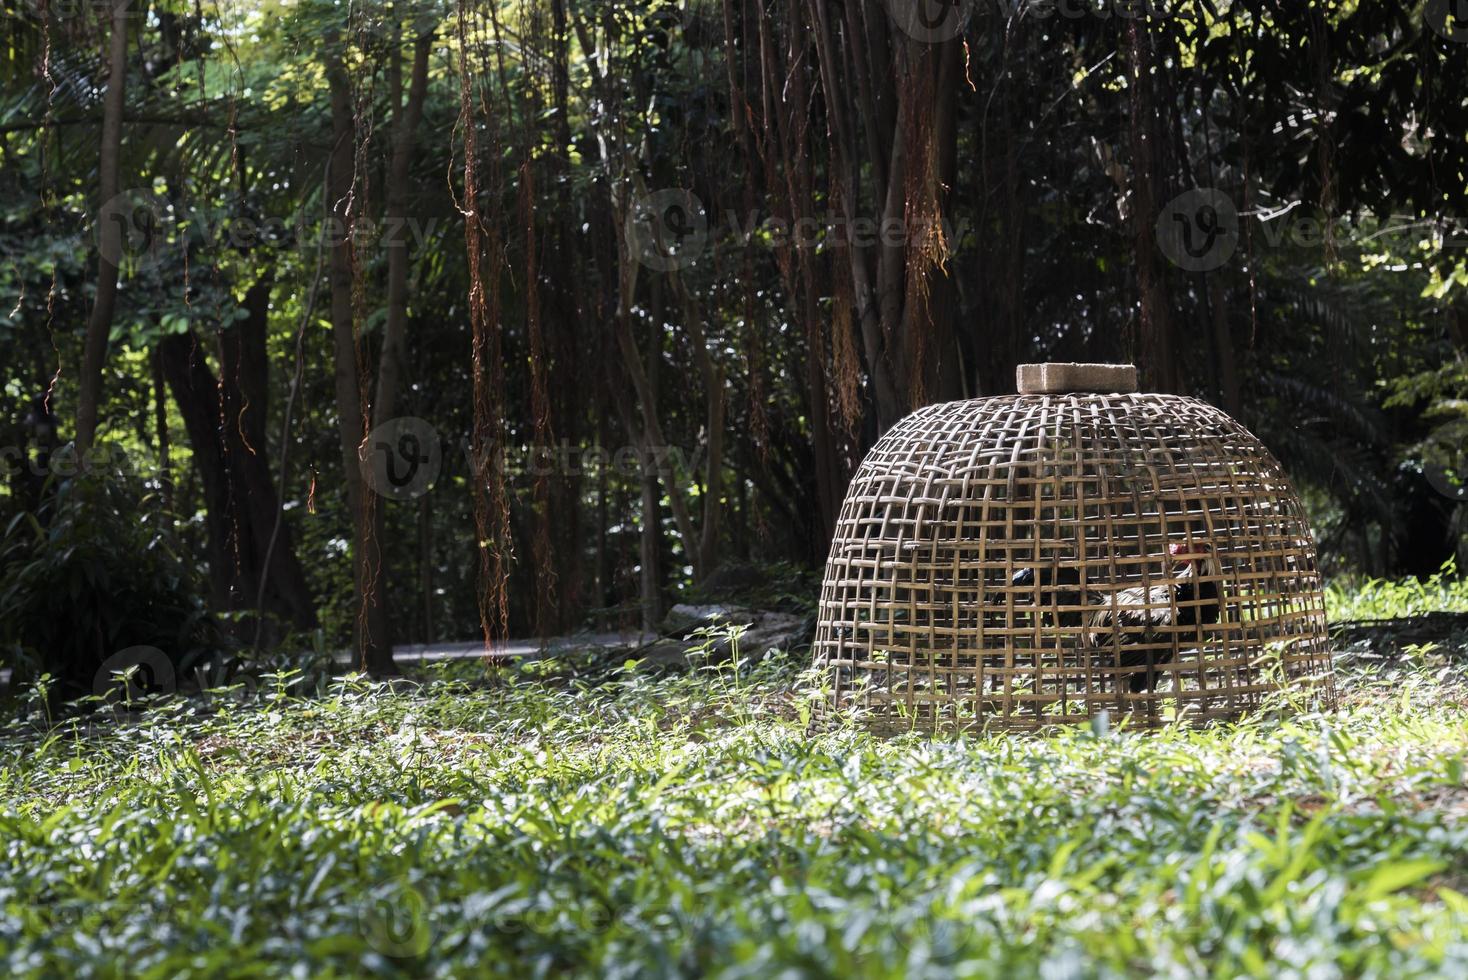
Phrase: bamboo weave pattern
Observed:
(981, 540)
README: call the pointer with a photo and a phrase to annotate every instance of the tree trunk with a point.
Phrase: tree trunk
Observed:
(713, 382)
(788, 130)
(899, 94)
(110, 240)
(624, 179)
(160, 433)
(650, 545)
(405, 132)
(650, 534)
(225, 421)
(371, 640)
(1155, 356)
(425, 565)
(600, 577)
(1223, 344)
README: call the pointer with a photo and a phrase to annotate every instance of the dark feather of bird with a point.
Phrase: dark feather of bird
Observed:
(1058, 588)
(1142, 617)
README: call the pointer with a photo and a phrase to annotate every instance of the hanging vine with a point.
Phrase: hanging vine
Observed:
(482, 243)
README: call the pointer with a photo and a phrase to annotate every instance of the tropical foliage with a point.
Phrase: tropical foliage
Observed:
(656, 274)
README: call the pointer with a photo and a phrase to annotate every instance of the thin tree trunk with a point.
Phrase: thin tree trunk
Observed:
(567, 323)
(713, 383)
(160, 433)
(624, 178)
(599, 574)
(650, 535)
(99, 324)
(405, 132)
(397, 242)
(1223, 344)
(425, 564)
(796, 162)
(653, 439)
(371, 640)
(650, 542)
(1155, 355)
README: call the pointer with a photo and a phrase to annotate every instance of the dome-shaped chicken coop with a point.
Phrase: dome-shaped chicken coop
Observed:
(1033, 559)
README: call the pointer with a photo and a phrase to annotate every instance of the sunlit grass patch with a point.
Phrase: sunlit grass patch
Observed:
(639, 825)
(1375, 598)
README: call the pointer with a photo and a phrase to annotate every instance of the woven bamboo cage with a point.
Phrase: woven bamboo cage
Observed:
(1021, 561)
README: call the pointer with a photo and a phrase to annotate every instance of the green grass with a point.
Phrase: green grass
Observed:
(642, 826)
(1375, 598)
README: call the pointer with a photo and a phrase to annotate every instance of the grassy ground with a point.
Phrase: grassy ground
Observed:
(640, 826)
(1375, 598)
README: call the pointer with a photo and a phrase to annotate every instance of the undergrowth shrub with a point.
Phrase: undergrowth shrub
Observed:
(94, 571)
